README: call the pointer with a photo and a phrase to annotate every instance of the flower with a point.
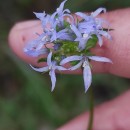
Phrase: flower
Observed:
(91, 25)
(60, 12)
(36, 47)
(87, 75)
(48, 21)
(82, 39)
(61, 35)
(72, 40)
(51, 67)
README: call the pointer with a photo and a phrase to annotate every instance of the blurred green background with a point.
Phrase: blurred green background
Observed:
(26, 102)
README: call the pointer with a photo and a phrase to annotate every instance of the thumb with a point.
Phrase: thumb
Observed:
(112, 115)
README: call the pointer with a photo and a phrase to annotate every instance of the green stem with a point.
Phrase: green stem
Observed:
(91, 112)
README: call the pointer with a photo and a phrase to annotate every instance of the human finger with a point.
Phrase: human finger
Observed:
(118, 50)
(112, 115)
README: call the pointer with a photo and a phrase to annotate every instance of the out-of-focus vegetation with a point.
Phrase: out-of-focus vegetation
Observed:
(26, 102)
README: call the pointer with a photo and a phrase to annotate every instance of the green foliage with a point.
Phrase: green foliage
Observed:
(69, 47)
(90, 5)
(91, 42)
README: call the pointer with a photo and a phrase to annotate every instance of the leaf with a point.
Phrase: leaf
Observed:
(66, 24)
(74, 63)
(91, 42)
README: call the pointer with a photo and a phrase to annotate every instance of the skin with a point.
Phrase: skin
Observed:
(112, 115)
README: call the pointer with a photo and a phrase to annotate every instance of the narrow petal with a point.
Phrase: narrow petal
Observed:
(100, 42)
(35, 53)
(40, 15)
(34, 48)
(53, 15)
(61, 7)
(43, 69)
(54, 37)
(82, 15)
(87, 76)
(76, 66)
(66, 10)
(105, 34)
(100, 59)
(82, 43)
(98, 11)
(76, 31)
(60, 68)
(70, 18)
(70, 58)
(53, 79)
(32, 44)
(63, 35)
(49, 59)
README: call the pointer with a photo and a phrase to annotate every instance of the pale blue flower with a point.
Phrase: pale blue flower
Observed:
(82, 39)
(40, 16)
(48, 21)
(83, 61)
(51, 67)
(91, 25)
(61, 35)
(61, 13)
(36, 47)
(93, 14)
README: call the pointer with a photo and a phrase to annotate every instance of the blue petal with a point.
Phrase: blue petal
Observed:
(40, 15)
(54, 37)
(105, 34)
(98, 11)
(53, 79)
(63, 35)
(60, 68)
(35, 53)
(83, 15)
(76, 66)
(100, 40)
(82, 43)
(87, 76)
(70, 18)
(49, 62)
(87, 27)
(61, 7)
(70, 58)
(75, 30)
(35, 47)
(66, 10)
(53, 15)
(100, 59)
(43, 69)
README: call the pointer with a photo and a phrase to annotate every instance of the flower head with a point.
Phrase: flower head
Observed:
(91, 25)
(70, 40)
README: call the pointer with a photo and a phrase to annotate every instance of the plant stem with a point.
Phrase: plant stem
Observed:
(91, 112)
